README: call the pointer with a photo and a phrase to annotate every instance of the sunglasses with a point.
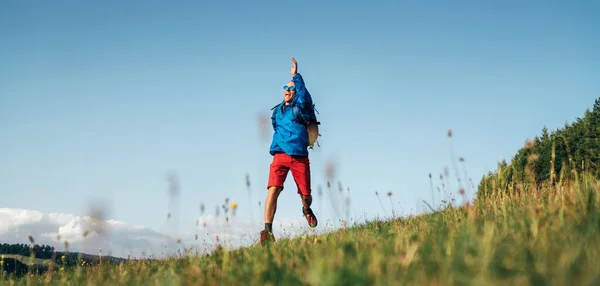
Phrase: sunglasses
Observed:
(290, 88)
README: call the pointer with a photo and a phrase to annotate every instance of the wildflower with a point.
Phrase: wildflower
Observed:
(461, 191)
(449, 132)
(389, 194)
(233, 205)
(31, 239)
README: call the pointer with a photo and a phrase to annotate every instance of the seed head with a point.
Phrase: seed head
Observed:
(528, 144)
(329, 170)
(533, 157)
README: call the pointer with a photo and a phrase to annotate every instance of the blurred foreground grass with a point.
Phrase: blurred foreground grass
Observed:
(548, 237)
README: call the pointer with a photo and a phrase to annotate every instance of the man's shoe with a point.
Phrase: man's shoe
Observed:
(266, 237)
(310, 217)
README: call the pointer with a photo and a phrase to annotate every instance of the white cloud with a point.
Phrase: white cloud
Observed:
(121, 239)
(113, 237)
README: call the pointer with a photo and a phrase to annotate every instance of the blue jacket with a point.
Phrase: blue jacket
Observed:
(290, 136)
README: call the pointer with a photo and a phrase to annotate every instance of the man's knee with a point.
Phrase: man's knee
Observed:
(275, 190)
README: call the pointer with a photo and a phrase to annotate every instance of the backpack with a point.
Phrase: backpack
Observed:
(304, 113)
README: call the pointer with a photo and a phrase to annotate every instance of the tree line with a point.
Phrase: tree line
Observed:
(12, 266)
(40, 251)
(550, 158)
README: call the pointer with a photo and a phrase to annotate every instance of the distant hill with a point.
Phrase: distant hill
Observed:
(550, 158)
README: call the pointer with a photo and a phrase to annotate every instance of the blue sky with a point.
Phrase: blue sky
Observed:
(103, 100)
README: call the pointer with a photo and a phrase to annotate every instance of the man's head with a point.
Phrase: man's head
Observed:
(289, 91)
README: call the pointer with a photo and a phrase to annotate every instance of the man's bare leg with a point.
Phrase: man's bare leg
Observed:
(306, 201)
(271, 205)
(307, 211)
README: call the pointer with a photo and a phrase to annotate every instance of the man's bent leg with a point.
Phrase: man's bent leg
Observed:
(300, 168)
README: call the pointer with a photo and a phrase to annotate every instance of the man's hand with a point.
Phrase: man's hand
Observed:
(294, 69)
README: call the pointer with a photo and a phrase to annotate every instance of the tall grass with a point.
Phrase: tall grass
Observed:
(526, 237)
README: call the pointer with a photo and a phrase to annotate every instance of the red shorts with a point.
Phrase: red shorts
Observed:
(300, 167)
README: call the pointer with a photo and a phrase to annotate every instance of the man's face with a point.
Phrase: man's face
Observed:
(289, 92)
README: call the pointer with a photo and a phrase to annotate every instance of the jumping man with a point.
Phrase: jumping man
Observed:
(289, 148)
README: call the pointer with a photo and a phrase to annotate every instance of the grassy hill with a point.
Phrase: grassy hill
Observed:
(535, 221)
(550, 237)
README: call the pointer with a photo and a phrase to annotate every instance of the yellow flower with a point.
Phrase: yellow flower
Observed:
(63, 257)
(233, 205)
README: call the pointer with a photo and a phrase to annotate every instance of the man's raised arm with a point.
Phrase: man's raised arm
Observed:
(301, 91)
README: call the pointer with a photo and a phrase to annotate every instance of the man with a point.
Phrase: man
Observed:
(291, 138)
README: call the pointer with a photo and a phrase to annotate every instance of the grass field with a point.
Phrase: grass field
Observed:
(548, 237)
